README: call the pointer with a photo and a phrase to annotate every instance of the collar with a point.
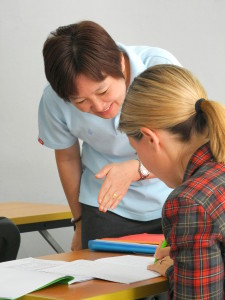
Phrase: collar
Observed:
(136, 64)
(136, 67)
(201, 156)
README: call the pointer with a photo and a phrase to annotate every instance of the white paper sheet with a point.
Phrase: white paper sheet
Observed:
(50, 266)
(122, 269)
(15, 283)
(29, 274)
(75, 269)
(33, 264)
(133, 260)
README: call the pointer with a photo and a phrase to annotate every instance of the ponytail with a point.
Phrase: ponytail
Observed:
(215, 118)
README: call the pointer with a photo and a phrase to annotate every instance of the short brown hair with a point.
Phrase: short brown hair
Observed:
(81, 48)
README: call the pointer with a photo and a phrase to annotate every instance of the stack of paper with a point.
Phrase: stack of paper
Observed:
(30, 274)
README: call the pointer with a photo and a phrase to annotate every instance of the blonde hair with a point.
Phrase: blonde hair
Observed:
(164, 97)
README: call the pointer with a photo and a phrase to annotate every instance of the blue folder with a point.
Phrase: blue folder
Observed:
(109, 246)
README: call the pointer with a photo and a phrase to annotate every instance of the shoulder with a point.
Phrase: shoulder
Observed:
(50, 102)
(150, 55)
(154, 55)
(206, 189)
(50, 96)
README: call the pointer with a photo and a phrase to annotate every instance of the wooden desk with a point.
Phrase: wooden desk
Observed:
(30, 216)
(98, 289)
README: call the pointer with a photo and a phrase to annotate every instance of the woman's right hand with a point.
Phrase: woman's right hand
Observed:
(161, 252)
(76, 242)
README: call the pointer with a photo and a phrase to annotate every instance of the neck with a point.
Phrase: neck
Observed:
(186, 152)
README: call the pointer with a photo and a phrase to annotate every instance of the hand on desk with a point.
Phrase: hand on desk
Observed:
(163, 260)
(118, 177)
(161, 265)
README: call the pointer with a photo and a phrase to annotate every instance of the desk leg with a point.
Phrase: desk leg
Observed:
(52, 242)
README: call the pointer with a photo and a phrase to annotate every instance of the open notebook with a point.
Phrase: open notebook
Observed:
(20, 277)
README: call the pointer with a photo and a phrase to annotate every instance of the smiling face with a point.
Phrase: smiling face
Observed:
(103, 99)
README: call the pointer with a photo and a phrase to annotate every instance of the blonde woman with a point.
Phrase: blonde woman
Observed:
(179, 135)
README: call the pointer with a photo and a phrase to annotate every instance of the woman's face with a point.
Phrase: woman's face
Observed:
(158, 159)
(103, 99)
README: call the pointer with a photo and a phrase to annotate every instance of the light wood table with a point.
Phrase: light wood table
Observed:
(97, 289)
(40, 217)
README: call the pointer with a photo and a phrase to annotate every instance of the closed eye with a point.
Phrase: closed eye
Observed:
(78, 102)
(102, 93)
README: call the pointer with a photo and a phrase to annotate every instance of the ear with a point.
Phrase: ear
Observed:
(151, 136)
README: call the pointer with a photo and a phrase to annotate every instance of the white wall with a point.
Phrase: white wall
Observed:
(194, 31)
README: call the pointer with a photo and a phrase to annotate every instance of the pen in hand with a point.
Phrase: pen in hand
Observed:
(164, 244)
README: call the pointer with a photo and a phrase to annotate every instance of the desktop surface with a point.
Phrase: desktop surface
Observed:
(97, 289)
(29, 212)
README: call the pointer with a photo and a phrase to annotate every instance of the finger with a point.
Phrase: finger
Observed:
(104, 190)
(157, 249)
(105, 201)
(108, 201)
(163, 252)
(115, 203)
(103, 172)
(159, 267)
(104, 208)
(152, 267)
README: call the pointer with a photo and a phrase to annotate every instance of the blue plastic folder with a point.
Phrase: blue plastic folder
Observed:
(109, 246)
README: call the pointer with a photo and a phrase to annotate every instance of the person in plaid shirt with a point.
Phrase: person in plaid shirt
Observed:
(179, 135)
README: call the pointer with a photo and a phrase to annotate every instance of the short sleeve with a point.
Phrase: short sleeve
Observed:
(157, 56)
(53, 113)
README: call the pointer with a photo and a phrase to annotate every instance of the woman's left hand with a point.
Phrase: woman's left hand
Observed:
(161, 265)
(118, 177)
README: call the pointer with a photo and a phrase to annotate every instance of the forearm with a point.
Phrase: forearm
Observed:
(71, 186)
(134, 164)
(69, 168)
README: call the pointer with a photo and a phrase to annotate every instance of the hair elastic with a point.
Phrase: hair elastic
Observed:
(198, 105)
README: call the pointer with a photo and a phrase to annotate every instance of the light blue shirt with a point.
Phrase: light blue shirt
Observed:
(61, 124)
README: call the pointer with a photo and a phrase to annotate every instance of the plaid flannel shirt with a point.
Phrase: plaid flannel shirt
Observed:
(194, 227)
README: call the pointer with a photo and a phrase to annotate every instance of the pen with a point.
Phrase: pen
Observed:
(164, 244)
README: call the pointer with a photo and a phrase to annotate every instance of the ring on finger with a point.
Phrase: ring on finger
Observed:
(115, 196)
(161, 261)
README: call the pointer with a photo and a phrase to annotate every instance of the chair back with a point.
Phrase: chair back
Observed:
(9, 240)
